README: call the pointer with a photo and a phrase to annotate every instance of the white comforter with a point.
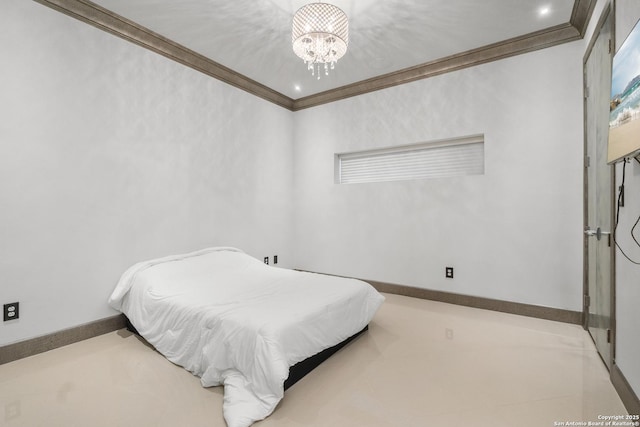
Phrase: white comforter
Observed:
(233, 320)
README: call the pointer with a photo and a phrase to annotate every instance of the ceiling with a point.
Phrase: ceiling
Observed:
(251, 39)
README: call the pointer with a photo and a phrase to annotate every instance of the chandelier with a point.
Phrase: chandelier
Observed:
(320, 36)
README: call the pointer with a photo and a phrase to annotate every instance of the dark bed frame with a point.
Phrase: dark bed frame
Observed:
(302, 368)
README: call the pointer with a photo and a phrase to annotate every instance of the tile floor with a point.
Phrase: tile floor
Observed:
(421, 363)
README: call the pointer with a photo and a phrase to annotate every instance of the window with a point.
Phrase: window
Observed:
(435, 159)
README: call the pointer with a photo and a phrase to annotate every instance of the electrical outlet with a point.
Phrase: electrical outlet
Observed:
(11, 311)
(275, 259)
(266, 260)
(448, 272)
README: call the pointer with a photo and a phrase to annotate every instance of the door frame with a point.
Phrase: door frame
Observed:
(608, 12)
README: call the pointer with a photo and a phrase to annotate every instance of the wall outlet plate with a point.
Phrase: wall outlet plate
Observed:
(266, 260)
(11, 311)
(448, 272)
(275, 259)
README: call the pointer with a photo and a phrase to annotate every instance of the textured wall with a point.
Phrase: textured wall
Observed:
(110, 154)
(514, 233)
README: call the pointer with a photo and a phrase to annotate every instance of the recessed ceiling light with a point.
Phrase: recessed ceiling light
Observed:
(544, 11)
(297, 88)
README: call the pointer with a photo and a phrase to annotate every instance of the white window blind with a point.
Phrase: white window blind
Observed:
(436, 159)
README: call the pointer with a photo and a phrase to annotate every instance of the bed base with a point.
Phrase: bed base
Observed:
(302, 368)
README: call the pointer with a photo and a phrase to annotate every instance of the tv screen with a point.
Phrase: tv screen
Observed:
(624, 119)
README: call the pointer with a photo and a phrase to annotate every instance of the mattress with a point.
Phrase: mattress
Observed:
(234, 321)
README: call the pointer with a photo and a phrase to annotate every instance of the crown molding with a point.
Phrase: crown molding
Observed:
(113, 23)
(101, 18)
(534, 41)
(581, 15)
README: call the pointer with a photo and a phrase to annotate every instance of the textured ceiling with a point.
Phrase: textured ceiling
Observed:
(253, 37)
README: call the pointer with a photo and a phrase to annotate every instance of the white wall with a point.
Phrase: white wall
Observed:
(628, 274)
(513, 234)
(111, 154)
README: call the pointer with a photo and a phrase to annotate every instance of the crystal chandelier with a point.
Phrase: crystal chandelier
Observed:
(320, 36)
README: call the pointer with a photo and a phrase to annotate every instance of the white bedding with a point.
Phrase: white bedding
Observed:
(232, 320)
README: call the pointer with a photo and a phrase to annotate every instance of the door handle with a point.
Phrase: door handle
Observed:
(597, 232)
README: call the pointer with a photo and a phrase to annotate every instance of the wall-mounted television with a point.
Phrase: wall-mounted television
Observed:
(624, 119)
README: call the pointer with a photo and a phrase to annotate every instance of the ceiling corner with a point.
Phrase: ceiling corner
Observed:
(581, 15)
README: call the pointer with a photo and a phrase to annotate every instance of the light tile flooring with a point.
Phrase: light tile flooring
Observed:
(421, 363)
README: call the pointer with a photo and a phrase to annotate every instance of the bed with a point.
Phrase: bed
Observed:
(234, 321)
